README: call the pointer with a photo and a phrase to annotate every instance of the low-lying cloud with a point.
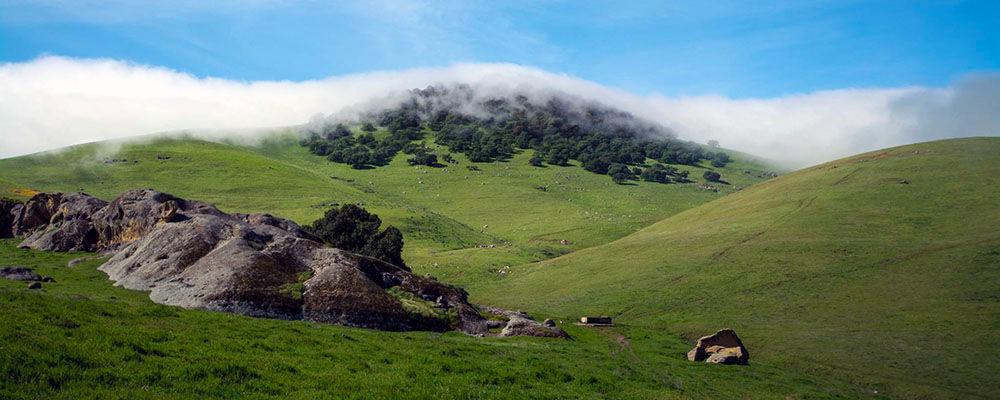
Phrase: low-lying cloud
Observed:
(53, 102)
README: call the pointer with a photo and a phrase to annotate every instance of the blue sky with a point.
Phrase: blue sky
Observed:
(734, 49)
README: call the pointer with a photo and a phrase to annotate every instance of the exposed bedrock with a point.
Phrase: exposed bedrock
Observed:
(191, 254)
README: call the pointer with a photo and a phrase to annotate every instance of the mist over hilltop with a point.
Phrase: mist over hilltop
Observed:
(52, 102)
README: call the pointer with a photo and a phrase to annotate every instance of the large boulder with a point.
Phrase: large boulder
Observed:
(190, 254)
(723, 347)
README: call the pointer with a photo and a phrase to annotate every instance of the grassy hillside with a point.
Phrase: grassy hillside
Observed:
(882, 269)
(444, 213)
(81, 337)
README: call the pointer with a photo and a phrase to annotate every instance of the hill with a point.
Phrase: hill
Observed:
(449, 216)
(881, 269)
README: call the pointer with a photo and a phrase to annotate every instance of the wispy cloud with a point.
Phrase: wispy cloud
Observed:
(53, 102)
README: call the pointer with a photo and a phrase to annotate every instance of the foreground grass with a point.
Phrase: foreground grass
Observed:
(839, 269)
(83, 338)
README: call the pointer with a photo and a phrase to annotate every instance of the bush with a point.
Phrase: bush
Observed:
(711, 176)
(354, 229)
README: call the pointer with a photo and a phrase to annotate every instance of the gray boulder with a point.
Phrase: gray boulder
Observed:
(35, 285)
(519, 323)
(19, 273)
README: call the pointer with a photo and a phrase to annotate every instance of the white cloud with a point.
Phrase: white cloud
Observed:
(53, 102)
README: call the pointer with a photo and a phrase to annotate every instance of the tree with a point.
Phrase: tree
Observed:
(620, 173)
(656, 173)
(352, 228)
(711, 176)
(366, 139)
(713, 143)
(536, 160)
(620, 177)
(597, 165)
(368, 126)
(348, 227)
(423, 158)
(448, 158)
(557, 157)
(359, 157)
(386, 246)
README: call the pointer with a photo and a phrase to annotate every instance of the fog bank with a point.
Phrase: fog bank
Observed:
(53, 102)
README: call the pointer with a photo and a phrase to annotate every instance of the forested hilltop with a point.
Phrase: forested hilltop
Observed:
(487, 128)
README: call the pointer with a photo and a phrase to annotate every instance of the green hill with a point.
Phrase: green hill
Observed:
(881, 269)
(444, 213)
(841, 280)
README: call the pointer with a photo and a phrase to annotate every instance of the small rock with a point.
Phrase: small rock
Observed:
(48, 279)
(903, 182)
(549, 322)
(35, 285)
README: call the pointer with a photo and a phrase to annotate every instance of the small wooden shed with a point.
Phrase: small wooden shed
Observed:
(596, 320)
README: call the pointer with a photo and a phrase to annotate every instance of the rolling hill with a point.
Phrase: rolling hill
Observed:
(865, 276)
(881, 269)
(449, 216)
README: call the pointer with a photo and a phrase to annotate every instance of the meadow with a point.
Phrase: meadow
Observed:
(81, 337)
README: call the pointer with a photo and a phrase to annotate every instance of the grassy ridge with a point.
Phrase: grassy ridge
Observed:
(840, 269)
(81, 337)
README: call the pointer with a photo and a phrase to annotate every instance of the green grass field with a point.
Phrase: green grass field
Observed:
(81, 337)
(838, 269)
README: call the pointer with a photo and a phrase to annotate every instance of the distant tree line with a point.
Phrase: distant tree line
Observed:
(603, 140)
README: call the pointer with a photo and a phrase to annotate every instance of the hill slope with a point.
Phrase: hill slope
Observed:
(444, 213)
(840, 268)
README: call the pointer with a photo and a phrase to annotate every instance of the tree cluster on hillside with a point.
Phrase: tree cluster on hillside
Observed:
(354, 229)
(558, 131)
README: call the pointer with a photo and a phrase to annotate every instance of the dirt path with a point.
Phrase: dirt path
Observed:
(624, 345)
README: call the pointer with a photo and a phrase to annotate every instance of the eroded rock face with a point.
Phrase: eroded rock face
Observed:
(190, 254)
(723, 347)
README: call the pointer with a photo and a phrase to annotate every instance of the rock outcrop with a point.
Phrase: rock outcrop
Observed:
(19, 273)
(8, 208)
(519, 323)
(191, 254)
(723, 347)
(58, 222)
